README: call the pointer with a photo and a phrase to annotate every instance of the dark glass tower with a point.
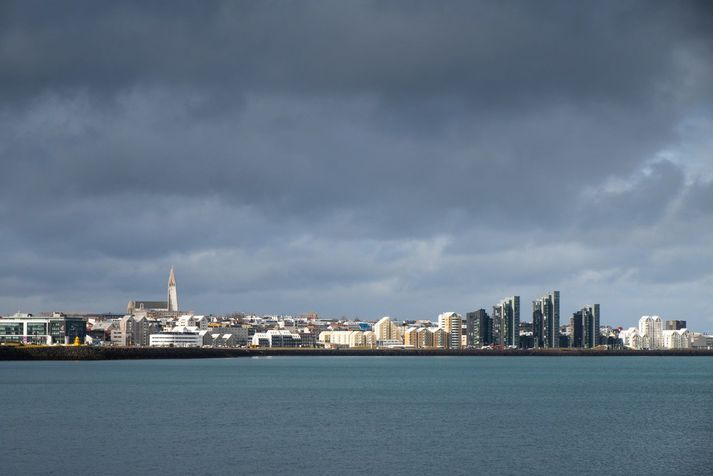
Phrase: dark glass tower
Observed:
(548, 306)
(479, 328)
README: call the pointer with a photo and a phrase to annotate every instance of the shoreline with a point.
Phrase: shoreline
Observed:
(18, 353)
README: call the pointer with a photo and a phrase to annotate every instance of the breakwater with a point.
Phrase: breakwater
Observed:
(125, 353)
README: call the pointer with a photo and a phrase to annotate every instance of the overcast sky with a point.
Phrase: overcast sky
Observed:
(358, 159)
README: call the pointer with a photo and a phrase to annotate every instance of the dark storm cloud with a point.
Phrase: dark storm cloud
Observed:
(354, 157)
(488, 52)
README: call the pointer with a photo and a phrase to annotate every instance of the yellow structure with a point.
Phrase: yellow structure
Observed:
(387, 330)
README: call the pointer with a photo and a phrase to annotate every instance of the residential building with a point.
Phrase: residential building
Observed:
(439, 338)
(631, 338)
(387, 330)
(134, 330)
(479, 328)
(546, 319)
(506, 317)
(576, 330)
(425, 337)
(584, 327)
(650, 329)
(590, 326)
(675, 339)
(452, 323)
(411, 337)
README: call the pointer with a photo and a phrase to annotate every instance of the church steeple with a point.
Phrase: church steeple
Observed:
(172, 293)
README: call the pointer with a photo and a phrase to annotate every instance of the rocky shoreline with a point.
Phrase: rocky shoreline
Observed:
(129, 353)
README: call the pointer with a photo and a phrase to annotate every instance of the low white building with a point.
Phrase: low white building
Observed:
(276, 338)
(631, 338)
(176, 339)
(190, 320)
(350, 339)
(679, 339)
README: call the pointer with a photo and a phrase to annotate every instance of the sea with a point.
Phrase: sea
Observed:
(359, 416)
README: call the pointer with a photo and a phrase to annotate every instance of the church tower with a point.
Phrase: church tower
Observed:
(172, 293)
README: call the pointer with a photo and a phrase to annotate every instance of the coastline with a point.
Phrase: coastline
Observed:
(17, 353)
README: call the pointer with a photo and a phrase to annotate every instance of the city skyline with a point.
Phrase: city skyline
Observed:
(358, 159)
(545, 316)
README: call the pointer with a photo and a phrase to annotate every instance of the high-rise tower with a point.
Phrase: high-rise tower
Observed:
(172, 293)
(452, 323)
(506, 322)
(546, 316)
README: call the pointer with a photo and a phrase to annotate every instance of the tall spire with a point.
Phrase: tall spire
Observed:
(172, 293)
(171, 278)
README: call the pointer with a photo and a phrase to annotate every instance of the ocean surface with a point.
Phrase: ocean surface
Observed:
(359, 415)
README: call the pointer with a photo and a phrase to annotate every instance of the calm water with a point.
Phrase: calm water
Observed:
(359, 415)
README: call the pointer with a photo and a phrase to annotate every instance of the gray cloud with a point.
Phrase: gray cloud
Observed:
(356, 158)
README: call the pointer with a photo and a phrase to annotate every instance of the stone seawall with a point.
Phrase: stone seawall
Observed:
(125, 353)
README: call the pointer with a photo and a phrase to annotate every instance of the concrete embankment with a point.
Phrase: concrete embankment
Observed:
(125, 353)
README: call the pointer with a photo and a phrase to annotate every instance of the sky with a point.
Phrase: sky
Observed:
(358, 158)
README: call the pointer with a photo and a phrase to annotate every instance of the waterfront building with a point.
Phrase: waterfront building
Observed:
(675, 339)
(576, 330)
(538, 328)
(439, 338)
(425, 337)
(411, 337)
(276, 338)
(225, 336)
(356, 339)
(506, 321)
(546, 312)
(191, 320)
(176, 339)
(370, 339)
(343, 339)
(631, 338)
(387, 330)
(479, 328)
(701, 341)
(590, 326)
(452, 323)
(99, 330)
(58, 328)
(675, 325)
(584, 327)
(134, 330)
(650, 329)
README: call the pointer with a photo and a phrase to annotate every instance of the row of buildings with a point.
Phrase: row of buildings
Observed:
(652, 335)
(162, 323)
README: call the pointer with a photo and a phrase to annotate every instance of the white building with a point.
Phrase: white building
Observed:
(387, 330)
(650, 329)
(350, 339)
(679, 339)
(631, 338)
(190, 320)
(176, 339)
(276, 338)
(452, 323)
